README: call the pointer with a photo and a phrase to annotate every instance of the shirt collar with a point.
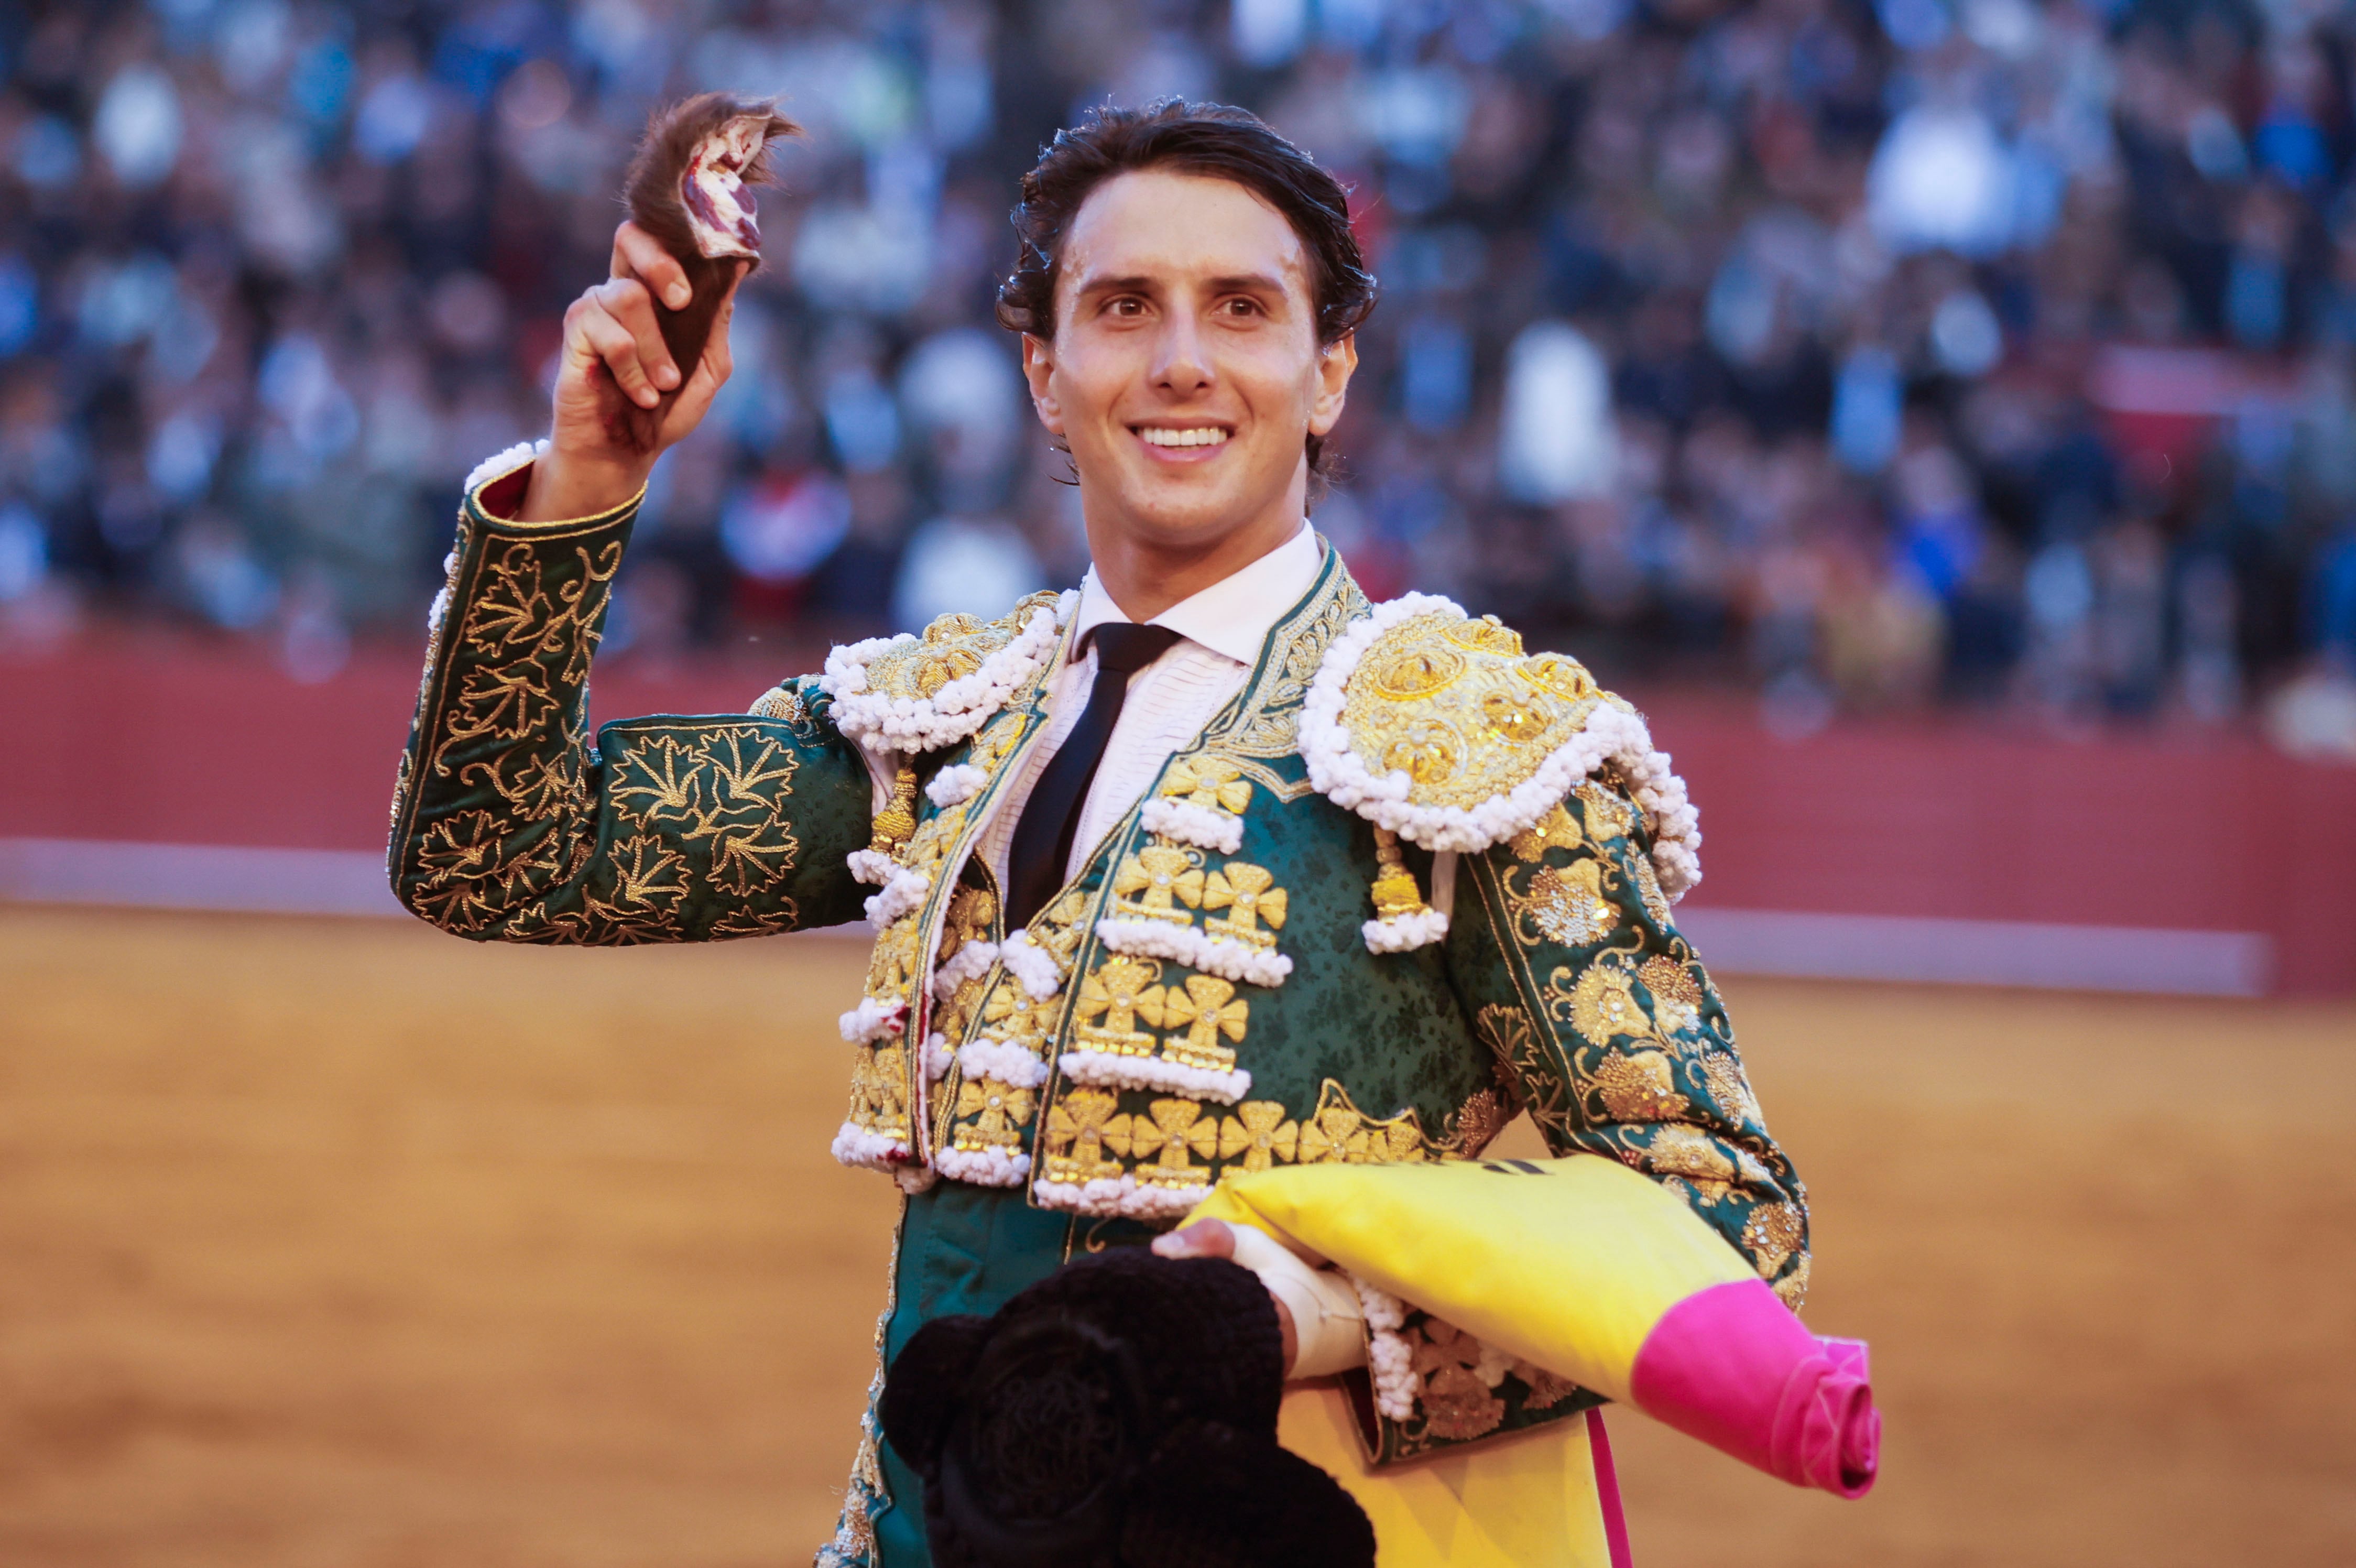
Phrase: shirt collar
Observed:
(1232, 616)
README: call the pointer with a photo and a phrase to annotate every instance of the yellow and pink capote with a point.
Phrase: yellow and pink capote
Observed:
(1593, 1272)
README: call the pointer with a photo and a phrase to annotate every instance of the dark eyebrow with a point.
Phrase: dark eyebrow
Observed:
(1239, 283)
(1139, 284)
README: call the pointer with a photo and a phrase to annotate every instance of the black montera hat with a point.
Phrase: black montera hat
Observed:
(1119, 1413)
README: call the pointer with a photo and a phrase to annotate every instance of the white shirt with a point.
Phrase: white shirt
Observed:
(1221, 630)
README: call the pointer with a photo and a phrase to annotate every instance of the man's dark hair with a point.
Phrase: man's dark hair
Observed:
(1211, 139)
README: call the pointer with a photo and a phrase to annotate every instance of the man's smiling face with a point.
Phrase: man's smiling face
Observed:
(1185, 371)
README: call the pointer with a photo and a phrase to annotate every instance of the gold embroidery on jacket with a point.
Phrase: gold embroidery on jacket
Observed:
(1249, 895)
(704, 805)
(1197, 1014)
(1261, 1132)
(1113, 998)
(1564, 905)
(1473, 1125)
(1076, 1126)
(1146, 883)
(1165, 1134)
(1338, 1132)
(991, 1114)
(1455, 1402)
(1265, 723)
(1213, 783)
(1555, 830)
(879, 1101)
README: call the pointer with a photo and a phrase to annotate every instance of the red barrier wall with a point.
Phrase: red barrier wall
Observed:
(164, 740)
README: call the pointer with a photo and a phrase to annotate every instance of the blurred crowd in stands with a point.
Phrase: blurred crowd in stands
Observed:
(1978, 351)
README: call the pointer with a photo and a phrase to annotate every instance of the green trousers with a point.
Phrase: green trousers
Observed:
(968, 1249)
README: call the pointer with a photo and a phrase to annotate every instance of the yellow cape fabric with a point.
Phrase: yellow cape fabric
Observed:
(1527, 1502)
(1568, 1263)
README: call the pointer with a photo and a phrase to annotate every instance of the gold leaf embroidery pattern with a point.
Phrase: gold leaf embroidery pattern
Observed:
(1555, 830)
(694, 809)
(1565, 905)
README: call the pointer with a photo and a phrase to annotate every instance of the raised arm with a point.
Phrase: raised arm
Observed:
(509, 823)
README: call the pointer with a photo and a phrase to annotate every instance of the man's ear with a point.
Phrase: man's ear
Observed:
(1337, 363)
(1038, 368)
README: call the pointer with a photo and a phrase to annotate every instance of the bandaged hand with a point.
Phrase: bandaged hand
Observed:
(1316, 1308)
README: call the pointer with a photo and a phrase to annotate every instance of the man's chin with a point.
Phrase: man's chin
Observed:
(1172, 515)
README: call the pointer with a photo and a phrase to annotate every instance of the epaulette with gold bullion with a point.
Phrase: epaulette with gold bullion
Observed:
(1435, 725)
(914, 694)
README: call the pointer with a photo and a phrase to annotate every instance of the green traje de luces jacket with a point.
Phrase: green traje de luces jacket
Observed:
(1410, 883)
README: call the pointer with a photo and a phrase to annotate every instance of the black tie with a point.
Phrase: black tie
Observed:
(1043, 838)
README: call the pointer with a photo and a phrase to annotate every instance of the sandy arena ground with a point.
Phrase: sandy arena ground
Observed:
(348, 1245)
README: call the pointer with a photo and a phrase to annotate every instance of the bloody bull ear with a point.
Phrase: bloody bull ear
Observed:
(689, 186)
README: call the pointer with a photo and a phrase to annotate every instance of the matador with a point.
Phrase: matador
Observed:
(1208, 866)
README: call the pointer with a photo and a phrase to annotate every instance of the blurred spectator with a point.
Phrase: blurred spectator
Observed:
(1988, 349)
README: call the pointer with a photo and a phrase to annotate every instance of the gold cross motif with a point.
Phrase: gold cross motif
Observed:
(999, 1113)
(1250, 895)
(1261, 1132)
(1173, 1127)
(1011, 1015)
(1156, 876)
(1206, 1010)
(1118, 992)
(1214, 783)
(1077, 1127)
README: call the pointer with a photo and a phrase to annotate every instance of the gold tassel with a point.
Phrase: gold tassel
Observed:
(895, 824)
(1394, 887)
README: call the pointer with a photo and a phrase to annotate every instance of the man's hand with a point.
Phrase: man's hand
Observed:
(614, 351)
(1216, 1239)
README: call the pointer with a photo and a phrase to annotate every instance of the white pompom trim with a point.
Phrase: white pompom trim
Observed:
(901, 892)
(1008, 1064)
(1182, 821)
(938, 1054)
(914, 1178)
(869, 866)
(983, 1167)
(440, 607)
(955, 784)
(870, 1150)
(1400, 933)
(1610, 735)
(954, 712)
(499, 465)
(1195, 948)
(1390, 1361)
(971, 959)
(1110, 1070)
(1122, 1195)
(873, 1019)
(1032, 964)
